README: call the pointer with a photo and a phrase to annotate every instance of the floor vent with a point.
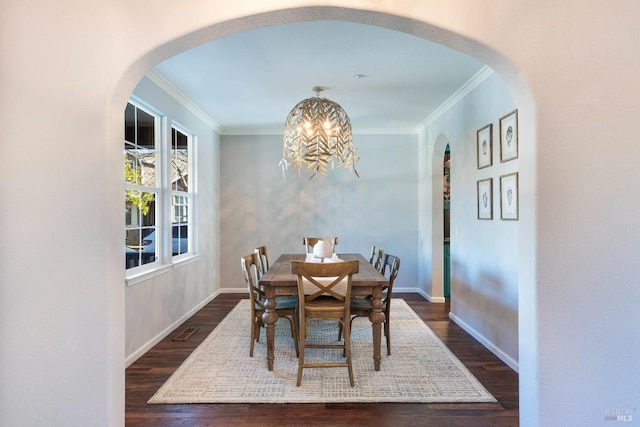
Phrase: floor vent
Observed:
(185, 335)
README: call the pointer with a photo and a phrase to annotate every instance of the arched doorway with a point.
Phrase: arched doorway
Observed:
(440, 219)
(446, 228)
(275, 18)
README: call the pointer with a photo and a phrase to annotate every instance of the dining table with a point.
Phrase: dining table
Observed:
(279, 281)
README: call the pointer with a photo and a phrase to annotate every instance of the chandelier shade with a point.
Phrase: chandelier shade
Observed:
(317, 133)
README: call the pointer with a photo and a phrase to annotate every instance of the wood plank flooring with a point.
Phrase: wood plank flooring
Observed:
(149, 372)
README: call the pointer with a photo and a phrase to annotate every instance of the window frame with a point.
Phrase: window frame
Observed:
(189, 195)
(156, 189)
(164, 259)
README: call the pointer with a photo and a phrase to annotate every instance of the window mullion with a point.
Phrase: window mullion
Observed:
(164, 141)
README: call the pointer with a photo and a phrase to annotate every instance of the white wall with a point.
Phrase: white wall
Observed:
(160, 303)
(484, 253)
(261, 207)
(571, 67)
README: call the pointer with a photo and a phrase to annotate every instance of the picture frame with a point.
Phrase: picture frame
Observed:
(509, 136)
(509, 196)
(484, 144)
(485, 198)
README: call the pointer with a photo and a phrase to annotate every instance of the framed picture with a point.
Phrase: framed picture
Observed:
(509, 196)
(484, 141)
(509, 136)
(485, 199)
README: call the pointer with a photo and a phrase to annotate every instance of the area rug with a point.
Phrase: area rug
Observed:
(420, 368)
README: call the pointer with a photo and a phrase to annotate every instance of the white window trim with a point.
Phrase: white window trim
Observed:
(191, 194)
(160, 121)
(165, 261)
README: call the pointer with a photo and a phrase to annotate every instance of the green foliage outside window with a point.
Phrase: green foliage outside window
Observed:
(140, 199)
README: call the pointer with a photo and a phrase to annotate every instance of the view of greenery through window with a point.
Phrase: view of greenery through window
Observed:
(141, 193)
(145, 190)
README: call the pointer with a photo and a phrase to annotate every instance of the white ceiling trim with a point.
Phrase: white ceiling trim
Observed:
(183, 100)
(385, 131)
(173, 92)
(484, 73)
(475, 81)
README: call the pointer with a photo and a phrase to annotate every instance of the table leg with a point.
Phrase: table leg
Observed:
(377, 319)
(269, 318)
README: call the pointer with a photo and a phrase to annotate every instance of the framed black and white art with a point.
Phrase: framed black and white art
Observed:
(509, 196)
(485, 199)
(509, 136)
(484, 141)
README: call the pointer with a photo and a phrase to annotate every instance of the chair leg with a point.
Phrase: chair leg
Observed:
(350, 325)
(301, 338)
(253, 336)
(387, 334)
(259, 326)
(294, 333)
(296, 321)
(351, 321)
(347, 348)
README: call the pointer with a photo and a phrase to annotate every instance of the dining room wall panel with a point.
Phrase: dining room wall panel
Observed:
(260, 206)
(156, 305)
(484, 253)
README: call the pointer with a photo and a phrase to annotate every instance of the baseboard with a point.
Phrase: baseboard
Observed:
(412, 290)
(513, 364)
(437, 300)
(233, 291)
(163, 334)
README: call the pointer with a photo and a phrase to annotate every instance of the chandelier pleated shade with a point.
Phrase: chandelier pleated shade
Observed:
(317, 134)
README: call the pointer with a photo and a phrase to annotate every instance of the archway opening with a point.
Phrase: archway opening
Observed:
(446, 226)
(275, 18)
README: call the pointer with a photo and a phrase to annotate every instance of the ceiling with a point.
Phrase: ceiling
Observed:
(248, 82)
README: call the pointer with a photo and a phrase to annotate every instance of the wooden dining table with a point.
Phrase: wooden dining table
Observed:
(278, 281)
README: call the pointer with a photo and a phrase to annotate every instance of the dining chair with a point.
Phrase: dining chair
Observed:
(375, 259)
(361, 306)
(285, 305)
(263, 259)
(324, 292)
(310, 242)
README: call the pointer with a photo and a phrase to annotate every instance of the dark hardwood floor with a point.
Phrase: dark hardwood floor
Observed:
(149, 372)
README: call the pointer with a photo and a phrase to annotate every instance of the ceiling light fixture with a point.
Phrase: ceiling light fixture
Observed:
(317, 133)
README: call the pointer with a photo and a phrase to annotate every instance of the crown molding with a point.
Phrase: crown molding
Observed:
(173, 92)
(280, 131)
(476, 80)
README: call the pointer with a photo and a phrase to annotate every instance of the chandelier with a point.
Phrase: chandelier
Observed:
(318, 133)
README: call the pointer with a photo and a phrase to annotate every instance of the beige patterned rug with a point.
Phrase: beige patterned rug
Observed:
(420, 368)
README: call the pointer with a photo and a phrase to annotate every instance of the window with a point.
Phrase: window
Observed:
(159, 195)
(141, 150)
(181, 191)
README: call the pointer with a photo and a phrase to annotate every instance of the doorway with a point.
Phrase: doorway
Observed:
(446, 203)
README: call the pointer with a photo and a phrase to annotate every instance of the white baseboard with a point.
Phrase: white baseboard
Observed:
(155, 340)
(405, 290)
(437, 300)
(513, 364)
(233, 291)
